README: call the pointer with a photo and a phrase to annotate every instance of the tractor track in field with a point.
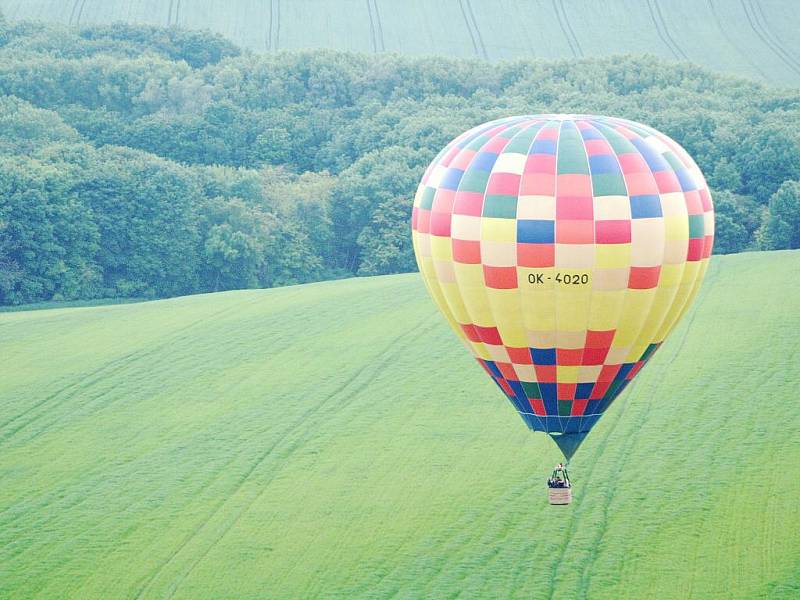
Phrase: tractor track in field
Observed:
(381, 359)
(122, 367)
(478, 35)
(121, 364)
(72, 12)
(574, 517)
(566, 28)
(372, 27)
(663, 32)
(98, 473)
(99, 374)
(375, 27)
(764, 37)
(660, 15)
(172, 18)
(730, 39)
(277, 33)
(274, 26)
(758, 12)
(629, 443)
(379, 26)
(469, 28)
(80, 13)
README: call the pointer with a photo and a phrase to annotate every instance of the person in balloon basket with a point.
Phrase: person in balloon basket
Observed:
(559, 479)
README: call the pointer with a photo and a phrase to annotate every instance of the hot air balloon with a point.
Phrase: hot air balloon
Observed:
(562, 250)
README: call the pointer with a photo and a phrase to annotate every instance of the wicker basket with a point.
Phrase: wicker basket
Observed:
(560, 495)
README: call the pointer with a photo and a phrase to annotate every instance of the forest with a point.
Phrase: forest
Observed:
(146, 162)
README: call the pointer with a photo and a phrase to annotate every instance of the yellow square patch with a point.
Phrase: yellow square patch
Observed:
(498, 230)
(612, 256)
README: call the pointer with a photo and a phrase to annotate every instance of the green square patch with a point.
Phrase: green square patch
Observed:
(510, 132)
(522, 142)
(477, 143)
(572, 156)
(474, 181)
(564, 408)
(673, 161)
(531, 389)
(619, 143)
(426, 201)
(608, 184)
(500, 206)
(696, 226)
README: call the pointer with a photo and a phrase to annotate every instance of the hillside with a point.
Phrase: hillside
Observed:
(755, 38)
(335, 440)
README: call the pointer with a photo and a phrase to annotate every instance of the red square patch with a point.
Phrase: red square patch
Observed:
(472, 335)
(568, 357)
(500, 278)
(503, 183)
(594, 356)
(574, 207)
(467, 252)
(507, 370)
(596, 147)
(599, 390)
(462, 159)
(613, 232)
(538, 406)
(443, 200)
(578, 408)
(696, 248)
(424, 221)
(574, 185)
(468, 203)
(607, 373)
(519, 356)
(640, 184)
(536, 255)
(566, 391)
(545, 373)
(537, 184)
(496, 144)
(541, 163)
(600, 339)
(667, 182)
(440, 224)
(489, 335)
(632, 162)
(694, 205)
(644, 278)
(574, 232)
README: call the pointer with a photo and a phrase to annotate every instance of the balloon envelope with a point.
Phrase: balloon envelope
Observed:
(562, 249)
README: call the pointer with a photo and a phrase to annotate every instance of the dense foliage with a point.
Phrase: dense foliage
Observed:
(142, 161)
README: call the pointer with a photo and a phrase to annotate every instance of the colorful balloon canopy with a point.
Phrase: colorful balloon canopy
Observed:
(563, 249)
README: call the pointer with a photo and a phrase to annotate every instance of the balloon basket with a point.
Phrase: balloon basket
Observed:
(560, 495)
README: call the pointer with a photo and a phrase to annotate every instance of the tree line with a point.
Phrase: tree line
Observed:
(139, 161)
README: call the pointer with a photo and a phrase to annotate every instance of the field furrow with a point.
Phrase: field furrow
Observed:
(752, 20)
(335, 440)
(753, 39)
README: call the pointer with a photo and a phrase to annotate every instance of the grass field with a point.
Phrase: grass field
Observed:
(754, 38)
(335, 440)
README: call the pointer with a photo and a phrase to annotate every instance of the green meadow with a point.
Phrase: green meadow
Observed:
(335, 440)
(753, 38)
